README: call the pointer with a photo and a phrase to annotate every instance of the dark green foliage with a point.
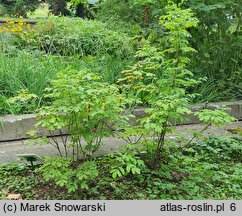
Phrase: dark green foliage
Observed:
(18, 7)
(142, 12)
(218, 42)
(120, 9)
(58, 7)
(17, 178)
(220, 148)
(68, 173)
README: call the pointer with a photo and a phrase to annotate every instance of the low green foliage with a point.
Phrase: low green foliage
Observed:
(16, 178)
(220, 148)
(125, 163)
(68, 173)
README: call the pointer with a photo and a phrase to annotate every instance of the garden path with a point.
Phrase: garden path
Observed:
(8, 150)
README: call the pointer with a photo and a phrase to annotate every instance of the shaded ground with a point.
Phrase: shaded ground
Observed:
(8, 150)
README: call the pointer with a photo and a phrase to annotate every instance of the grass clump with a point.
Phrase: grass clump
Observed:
(72, 36)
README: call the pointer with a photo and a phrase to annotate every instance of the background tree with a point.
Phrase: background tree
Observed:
(218, 42)
(58, 7)
(18, 7)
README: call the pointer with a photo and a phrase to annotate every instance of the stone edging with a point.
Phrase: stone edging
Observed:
(15, 127)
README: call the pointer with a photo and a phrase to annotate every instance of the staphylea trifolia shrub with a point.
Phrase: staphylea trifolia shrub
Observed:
(85, 107)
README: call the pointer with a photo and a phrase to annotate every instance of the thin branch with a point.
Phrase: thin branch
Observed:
(63, 141)
(56, 142)
(194, 137)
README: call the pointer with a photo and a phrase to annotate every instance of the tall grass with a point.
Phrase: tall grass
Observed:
(73, 36)
(27, 71)
(34, 71)
(107, 66)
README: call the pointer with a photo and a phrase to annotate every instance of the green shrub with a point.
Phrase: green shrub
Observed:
(162, 78)
(73, 36)
(80, 102)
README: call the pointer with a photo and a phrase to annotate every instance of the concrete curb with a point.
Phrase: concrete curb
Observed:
(31, 22)
(15, 127)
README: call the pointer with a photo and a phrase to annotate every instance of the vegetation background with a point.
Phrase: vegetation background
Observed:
(107, 39)
(83, 64)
